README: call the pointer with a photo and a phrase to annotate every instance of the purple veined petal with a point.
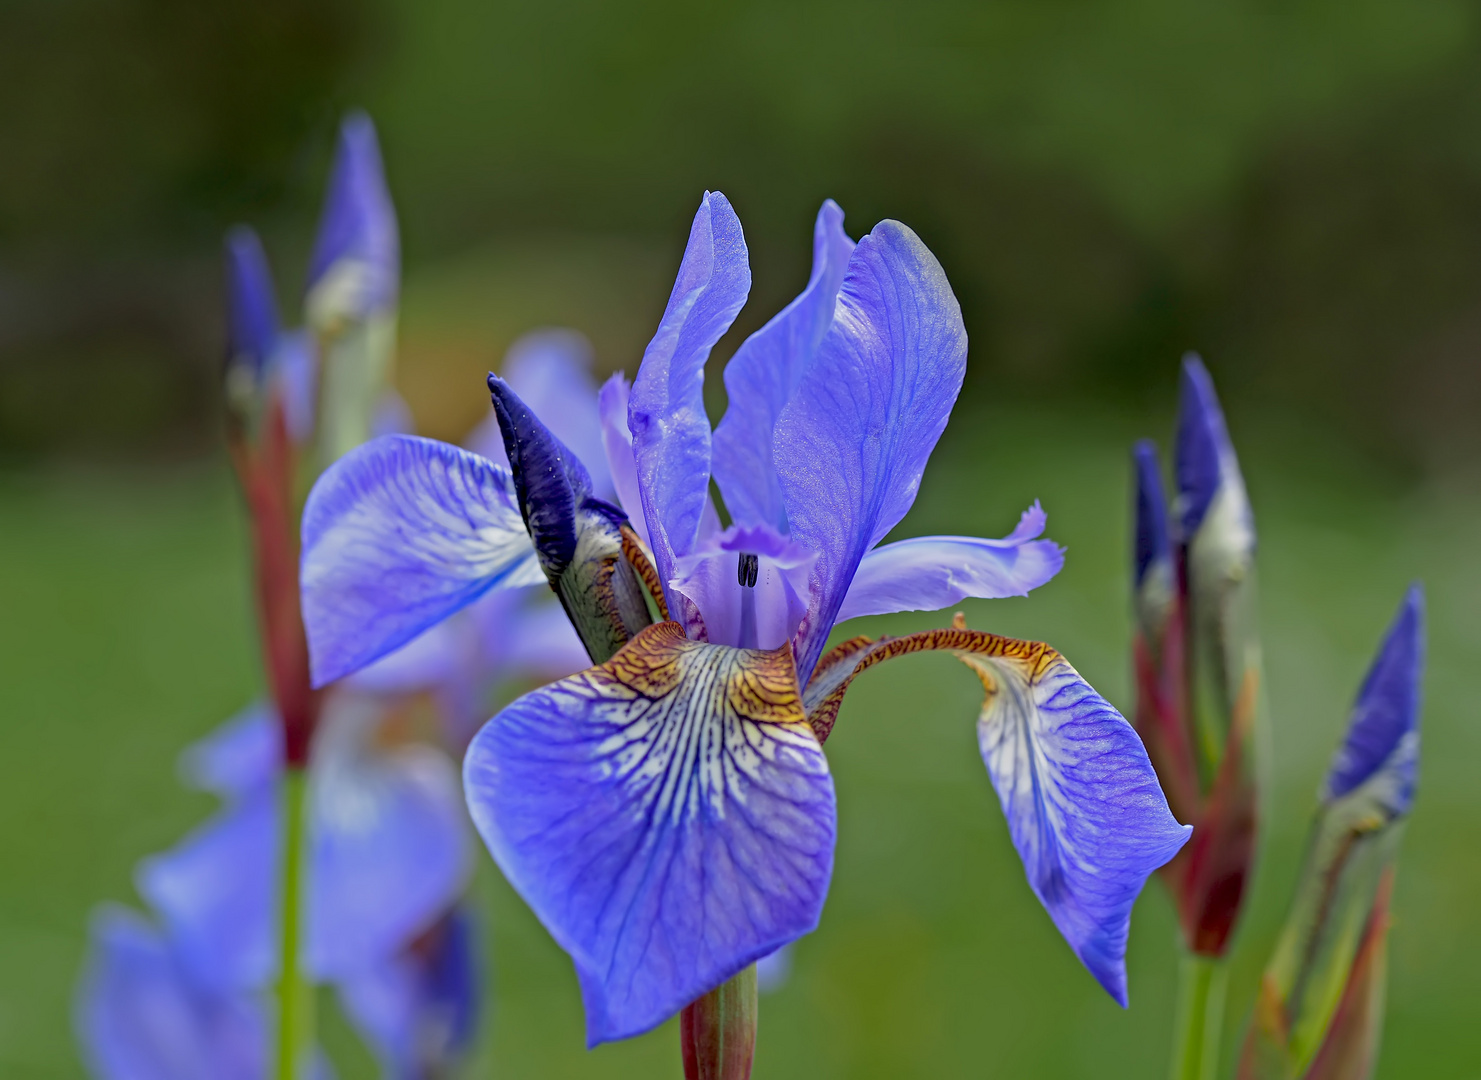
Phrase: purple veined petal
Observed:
(390, 846)
(397, 535)
(1383, 735)
(851, 445)
(764, 373)
(242, 756)
(355, 271)
(926, 573)
(252, 309)
(140, 1017)
(762, 615)
(1084, 808)
(617, 441)
(214, 891)
(417, 1010)
(1153, 540)
(666, 412)
(296, 367)
(668, 815)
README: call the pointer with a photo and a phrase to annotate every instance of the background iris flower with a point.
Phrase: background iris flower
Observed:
(669, 814)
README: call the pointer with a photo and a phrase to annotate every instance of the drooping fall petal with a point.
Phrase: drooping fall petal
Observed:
(668, 815)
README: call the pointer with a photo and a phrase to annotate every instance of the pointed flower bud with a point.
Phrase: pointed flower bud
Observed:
(1320, 1009)
(355, 271)
(353, 285)
(1197, 656)
(577, 537)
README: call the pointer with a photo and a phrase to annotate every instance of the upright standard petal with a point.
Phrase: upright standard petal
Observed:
(666, 413)
(764, 373)
(927, 573)
(668, 815)
(1386, 713)
(851, 445)
(398, 535)
(617, 441)
(252, 310)
(140, 1016)
(1082, 802)
(355, 271)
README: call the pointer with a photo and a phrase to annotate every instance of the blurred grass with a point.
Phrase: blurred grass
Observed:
(126, 632)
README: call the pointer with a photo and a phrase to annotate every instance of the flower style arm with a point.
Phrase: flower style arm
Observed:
(398, 535)
(1083, 805)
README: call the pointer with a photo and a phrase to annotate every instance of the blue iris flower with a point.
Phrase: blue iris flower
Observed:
(669, 814)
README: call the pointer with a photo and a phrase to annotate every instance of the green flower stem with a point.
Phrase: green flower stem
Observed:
(295, 995)
(1200, 1023)
(717, 1032)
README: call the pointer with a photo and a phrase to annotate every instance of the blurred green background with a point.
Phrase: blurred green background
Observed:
(1294, 190)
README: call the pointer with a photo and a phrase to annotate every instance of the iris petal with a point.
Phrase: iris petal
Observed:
(851, 445)
(926, 573)
(140, 1017)
(666, 412)
(1083, 805)
(398, 535)
(668, 815)
(214, 891)
(390, 847)
(389, 850)
(418, 1008)
(243, 755)
(617, 441)
(765, 371)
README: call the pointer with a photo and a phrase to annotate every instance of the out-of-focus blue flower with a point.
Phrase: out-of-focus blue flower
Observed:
(141, 1016)
(1319, 1014)
(669, 814)
(387, 836)
(417, 1009)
